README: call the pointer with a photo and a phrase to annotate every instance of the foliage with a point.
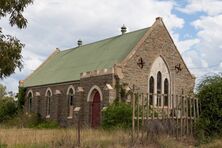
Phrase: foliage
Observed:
(118, 114)
(47, 125)
(11, 47)
(21, 97)
(2, 91)
(210, 95)
(7, 108)
(30, 120)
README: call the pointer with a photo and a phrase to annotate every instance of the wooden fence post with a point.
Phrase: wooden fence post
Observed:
(173, 112)
(147, 115)
(138, 111)
(142, 127)
(187, 122)
(133, 117)
(177, 121)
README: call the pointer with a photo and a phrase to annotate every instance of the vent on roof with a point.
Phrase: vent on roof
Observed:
(79, 42)
(123, 29)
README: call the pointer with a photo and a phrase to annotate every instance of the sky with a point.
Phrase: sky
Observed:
(195, 25)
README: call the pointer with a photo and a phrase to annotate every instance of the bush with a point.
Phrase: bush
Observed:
(117, 115)
(30, 120)
(47, 125)
(23, 120)
(209, 93)
(7, 108)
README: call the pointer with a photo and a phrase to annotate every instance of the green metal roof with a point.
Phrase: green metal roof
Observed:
(68, 64)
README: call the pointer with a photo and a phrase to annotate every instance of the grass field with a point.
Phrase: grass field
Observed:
(43, 138)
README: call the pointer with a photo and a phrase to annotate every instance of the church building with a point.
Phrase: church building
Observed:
(86, 77)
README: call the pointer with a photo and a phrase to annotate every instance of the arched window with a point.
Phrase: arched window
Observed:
(30, 97)
(166, 92)
(159, 88)
(151, 90)
(70, 95)
(48, 102)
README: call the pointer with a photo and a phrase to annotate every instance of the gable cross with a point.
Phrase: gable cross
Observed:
(141, 63)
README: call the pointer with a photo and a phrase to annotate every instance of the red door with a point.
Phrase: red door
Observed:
(96, 110)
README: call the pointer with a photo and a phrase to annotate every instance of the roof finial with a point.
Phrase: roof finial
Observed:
(123, 29)
(79, 42)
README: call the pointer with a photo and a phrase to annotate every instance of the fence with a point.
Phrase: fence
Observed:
(154, 114)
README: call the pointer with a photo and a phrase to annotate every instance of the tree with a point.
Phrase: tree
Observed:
(11, 47)
(2, 91)
(210, 96)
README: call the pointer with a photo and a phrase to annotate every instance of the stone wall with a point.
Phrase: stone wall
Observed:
(59, 102)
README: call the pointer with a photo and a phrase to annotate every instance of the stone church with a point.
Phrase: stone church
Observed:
(86, 76)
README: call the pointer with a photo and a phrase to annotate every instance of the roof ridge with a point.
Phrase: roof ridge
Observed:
(66, 50)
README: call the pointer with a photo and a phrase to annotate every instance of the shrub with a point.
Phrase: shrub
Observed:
(30, 120)
(7, 108)
(210, 94)
(24, 120)
(47, 125)
(21, 97)
(117, 115)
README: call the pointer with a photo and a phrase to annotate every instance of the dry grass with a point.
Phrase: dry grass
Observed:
(35, 138)
(62, 138)
(217, 143)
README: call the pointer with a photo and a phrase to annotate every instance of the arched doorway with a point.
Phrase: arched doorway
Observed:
(95, 110)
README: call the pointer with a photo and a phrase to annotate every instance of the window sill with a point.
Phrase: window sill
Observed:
(48, 116)
(69, 117)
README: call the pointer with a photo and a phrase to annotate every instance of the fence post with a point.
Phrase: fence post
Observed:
(173, 112)
(133, 116)
(147, 115)
(138, 110)
(181, 117)
(187, 122)
(197, 107)
(194, 113)
(177, 121)
(192, 116)
(142, 97)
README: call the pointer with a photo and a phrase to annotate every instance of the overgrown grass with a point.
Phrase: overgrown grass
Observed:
(44, 138)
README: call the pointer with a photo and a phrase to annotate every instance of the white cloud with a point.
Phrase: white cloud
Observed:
(204, 51)
(210, 38)
(185, 45)
(55, 23)
(211, 7)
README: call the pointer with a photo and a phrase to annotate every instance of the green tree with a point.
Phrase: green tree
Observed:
(210, 96)
(11, 47)
(2, 91)
(7, 108)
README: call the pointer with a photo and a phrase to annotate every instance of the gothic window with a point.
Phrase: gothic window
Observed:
(30, 96)
(151, 90)
(70, 95)
(159, 88)
(48, 102)
(166, 92)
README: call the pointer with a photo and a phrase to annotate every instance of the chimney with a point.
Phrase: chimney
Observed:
(79, 42)
(158, 18)
(21, 83)
(123, 29)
